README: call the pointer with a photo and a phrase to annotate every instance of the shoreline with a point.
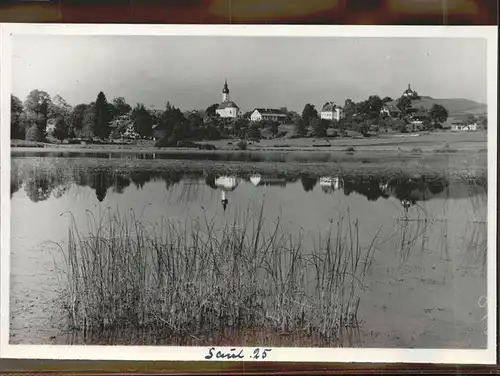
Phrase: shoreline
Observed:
(412, 143)
(333, 151)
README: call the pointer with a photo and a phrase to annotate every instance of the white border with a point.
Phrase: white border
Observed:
(144, 353)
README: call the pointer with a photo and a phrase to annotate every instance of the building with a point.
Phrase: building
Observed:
(418, 117)
(463, 123)
(390, 109)
(227, 109)
(272, 114)
(331, 111)
(410, 93)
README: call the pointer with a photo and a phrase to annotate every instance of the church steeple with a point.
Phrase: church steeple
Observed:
(225, 92)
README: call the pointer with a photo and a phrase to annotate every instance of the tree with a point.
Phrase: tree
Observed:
(319, 126)
(254, 131)
(120, 107)
(210, 111)
(387, 99)
(241, 126)
(404, 103)
(143, 122)
(308, 113)
(33, 133)
(375, 105)
(349, 108)
(438, 114)
(170, 120)
(300, 127)
(274, 128)
(61, 129)
(59, 108)
(62, 113)
(483, 121)
(89, 119)
(102, 117)
(16, 110)
(37, 109)
(77, 117)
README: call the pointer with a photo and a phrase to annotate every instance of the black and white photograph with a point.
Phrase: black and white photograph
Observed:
(249, 193)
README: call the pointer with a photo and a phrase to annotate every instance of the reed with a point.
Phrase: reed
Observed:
(199, 277)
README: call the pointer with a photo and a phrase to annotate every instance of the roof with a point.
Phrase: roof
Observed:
(420, 114)
(270, 111)
(392, 107)
(461, 117)
(229, 104)
(330, 107)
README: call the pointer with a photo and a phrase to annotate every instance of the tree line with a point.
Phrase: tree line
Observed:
(39, 186)
(104, 120)
(367, 114)
(39, 113)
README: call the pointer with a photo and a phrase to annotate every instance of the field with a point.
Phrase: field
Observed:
(429, 142)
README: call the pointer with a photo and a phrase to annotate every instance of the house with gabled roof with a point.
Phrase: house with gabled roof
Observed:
(271, 114)
(462, 123)
(331, 111)
(390, 109)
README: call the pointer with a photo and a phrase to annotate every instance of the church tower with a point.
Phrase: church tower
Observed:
(225, 92)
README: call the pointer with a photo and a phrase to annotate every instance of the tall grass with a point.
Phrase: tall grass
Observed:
(196, 278)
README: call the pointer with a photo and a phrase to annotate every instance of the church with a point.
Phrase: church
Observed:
(227, 109)
(410, 93)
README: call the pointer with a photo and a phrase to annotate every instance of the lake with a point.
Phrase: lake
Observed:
(423, 223)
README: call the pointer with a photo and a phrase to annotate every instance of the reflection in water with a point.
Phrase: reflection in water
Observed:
(226, 184)
(255, 179)
(329, 184)
(39, 184)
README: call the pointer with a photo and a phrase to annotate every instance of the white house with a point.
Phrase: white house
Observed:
(331, 111)
(462, 127)
(227, 109)
(463, 123)
(273, 114)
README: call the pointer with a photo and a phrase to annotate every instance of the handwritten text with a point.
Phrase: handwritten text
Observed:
(237, 353)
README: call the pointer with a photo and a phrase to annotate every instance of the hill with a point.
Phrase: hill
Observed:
(455, 106)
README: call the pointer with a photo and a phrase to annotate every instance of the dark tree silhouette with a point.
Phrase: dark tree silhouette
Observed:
(308, 113)
(308, 182)
(438, 114)
(102, 118)
(210, 111)
(16, 110)
(143, 122)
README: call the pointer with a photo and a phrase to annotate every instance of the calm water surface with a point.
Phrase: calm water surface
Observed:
(427, 276)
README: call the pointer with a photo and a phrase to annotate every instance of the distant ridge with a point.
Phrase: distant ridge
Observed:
(455, 106)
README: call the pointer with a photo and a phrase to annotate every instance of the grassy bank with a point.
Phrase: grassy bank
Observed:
(191, 281)
(383, 165)
(430, 142)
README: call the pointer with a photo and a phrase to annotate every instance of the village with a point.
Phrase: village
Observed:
(62, 123)
(407, 114)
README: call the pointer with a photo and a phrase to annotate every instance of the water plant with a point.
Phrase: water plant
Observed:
(196, 278)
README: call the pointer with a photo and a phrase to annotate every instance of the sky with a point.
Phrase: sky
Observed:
(272, 72)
